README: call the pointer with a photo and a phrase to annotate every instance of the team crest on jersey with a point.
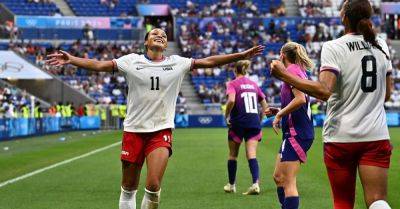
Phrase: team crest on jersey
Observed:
(167, 68)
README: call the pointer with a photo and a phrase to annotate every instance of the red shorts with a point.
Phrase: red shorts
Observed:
(350, 155)
(136, 146)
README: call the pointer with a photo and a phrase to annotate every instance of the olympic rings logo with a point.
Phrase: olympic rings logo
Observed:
(14, 67)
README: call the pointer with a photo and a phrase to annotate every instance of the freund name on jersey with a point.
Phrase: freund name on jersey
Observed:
(358, 45)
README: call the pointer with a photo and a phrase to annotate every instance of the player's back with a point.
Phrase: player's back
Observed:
(247, 96)
(356, 108)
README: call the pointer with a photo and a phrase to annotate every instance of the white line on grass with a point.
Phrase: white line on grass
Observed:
(57, 164)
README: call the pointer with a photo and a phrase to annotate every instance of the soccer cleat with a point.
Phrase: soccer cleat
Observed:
(230, 188)
(253, 190)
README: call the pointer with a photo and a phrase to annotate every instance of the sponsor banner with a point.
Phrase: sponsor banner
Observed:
(153, 9)
(77, 22)
(390, 7)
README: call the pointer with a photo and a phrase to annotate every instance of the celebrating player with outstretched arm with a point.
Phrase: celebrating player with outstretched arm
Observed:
(154, 82)
(354, 79)
(297, 126)
(243, 119)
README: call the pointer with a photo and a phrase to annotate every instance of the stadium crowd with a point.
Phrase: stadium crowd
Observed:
(227, 8)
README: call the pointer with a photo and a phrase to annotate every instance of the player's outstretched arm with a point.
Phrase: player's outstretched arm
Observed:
(217, 60)
(321, 89)
(61, 58)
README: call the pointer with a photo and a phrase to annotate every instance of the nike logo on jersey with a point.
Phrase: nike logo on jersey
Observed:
(139, 68)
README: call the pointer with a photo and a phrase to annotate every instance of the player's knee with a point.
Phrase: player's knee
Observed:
(279, 179)
(232, 156)
(153, 186)
(379, 204)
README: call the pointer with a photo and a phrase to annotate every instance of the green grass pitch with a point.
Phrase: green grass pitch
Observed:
(194, 179)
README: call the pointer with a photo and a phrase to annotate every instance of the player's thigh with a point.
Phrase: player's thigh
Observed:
(290, 169)
(156, 162)
(374, 181)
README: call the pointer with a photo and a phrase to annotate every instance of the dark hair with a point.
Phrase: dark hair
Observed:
(146, 36)
(359, 13)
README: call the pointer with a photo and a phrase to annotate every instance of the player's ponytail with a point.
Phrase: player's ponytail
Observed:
(242, 66)
(359, 13)
(296, 53)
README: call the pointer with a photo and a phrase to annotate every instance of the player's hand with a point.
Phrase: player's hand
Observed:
(59, 58)
(252, 52)
(277, 68)
(276, 124)
(228, 123)
(271, 111)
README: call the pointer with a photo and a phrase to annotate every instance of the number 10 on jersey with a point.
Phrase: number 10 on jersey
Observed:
(250, 102)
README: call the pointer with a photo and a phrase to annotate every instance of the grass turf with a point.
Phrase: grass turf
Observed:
(194, 179)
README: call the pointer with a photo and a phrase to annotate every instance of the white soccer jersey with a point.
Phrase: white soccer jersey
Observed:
(355, 111)
(153, 88)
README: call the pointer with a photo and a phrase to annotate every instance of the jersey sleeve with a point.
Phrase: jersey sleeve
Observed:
(230, 89)
(124, 62)
(185, 63)
(385, 48)
(329, 59)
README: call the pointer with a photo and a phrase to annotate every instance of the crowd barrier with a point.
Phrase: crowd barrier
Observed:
(182, 121)
(20, 127)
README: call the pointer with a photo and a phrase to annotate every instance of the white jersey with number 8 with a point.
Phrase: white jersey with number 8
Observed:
(153, 90)
(355, 111)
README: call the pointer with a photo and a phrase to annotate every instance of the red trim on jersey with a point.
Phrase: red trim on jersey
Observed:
(115, 67)
(192, 64)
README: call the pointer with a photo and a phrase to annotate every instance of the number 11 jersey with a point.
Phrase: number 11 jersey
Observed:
(153, 88)
(355, 111)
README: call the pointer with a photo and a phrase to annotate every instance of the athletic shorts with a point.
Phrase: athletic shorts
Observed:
(295, 149)
(350, 155)
(238, 134)
(136, 146)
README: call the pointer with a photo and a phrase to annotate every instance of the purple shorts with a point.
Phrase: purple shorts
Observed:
(294, 149)
(238, 134)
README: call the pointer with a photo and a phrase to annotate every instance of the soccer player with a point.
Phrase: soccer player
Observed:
(297, 126)
(355, 80)
(243, 119)
(154, 81)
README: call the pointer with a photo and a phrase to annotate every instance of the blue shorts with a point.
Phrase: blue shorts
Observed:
(295, 149)
(238, 134)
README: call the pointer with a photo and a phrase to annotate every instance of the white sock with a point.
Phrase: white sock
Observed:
(151, 200)
(127, 200)
(379, 204)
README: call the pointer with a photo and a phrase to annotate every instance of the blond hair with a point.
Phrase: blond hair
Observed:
(296, 54)
(242, 66)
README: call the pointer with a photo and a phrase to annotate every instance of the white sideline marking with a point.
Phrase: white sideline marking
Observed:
(2, 184)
